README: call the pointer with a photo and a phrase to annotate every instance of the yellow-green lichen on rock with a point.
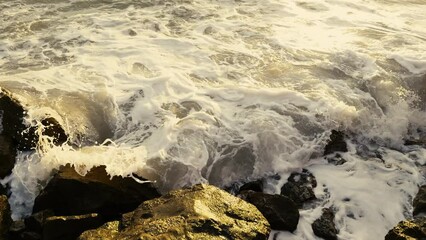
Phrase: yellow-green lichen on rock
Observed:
(200, 212)
(108, 231)
(408, 230)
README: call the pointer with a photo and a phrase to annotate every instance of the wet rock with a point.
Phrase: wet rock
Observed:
(2, 190)
(15, 135)
(69, 227)
(280, 211)
(5, 220)
(421, 142)
(299, 187)
(238, 187)
(324, 226)
(337, 159)
(255, 186)
(408, 230)
(7, 156)
(132, 32)
(16, 229)
(69, 193)
(419, 202)
(336, 144)
(201, 212)
(12, 115)
(30, 236)
(36, 221)
(108, 231)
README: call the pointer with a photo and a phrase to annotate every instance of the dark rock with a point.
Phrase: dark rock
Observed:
(408, 230)
(238, 187)
(16, 229)
(255, 186)
(336, 160)
(36, 221)
(69, 193)
(280, 211)
(2, 190)
(132, 32)
(30, 236)
(421, 142)
(419, 202)
(16, 135)
(69, 227)
(12, 116)
(201, 212)
(5, 220)
(7, 157)
(299, 187)
(336, 144)
(324, 226)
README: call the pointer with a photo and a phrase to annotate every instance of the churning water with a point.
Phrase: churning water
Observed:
(189, 91)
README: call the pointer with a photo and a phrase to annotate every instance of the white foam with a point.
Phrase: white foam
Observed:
(275, 76)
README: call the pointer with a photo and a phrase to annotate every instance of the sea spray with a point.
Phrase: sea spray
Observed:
(267, 80)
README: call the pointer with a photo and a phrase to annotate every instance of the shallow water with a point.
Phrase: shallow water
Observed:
(188, 91)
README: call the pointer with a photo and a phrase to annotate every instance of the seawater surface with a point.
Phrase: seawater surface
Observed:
(220, 91)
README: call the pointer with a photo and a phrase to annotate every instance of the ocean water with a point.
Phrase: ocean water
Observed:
(221, 91)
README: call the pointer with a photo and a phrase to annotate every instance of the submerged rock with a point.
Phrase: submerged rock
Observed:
(408, 230)
(280, 211)
(201, 212)
(69, 193)
(336, 144)
(236, 163)
(299, 187)
(419, 202)
(324, 226)
(5, 220)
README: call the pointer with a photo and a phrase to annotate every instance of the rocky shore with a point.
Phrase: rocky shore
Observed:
(98, 206)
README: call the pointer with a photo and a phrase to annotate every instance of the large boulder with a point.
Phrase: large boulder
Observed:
(280, 211)
(419, 202)
(5, 220)
(408, 230)
(299, 187)
(324, 226)
(69, 193)
(200, 212)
